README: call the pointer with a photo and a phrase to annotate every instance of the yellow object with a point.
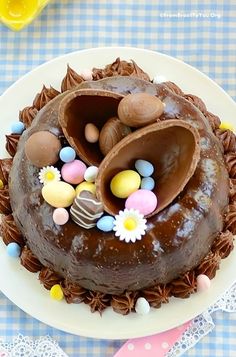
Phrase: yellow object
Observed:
(226, 125)
(85, 186)
(50, 176)
(56, 292)
(58, 194)
(124, 183)
(16, 14)
(130, 224)
(1, 185)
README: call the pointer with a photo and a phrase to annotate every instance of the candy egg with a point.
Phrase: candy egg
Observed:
(144, 168)
(58, 194)
(1, 184)
(106, 223)
(140, 109)
(67, 154)
(142, 306)
(73, 172)
(85, 186)
(17, 127)
(226, 125)
(91, 173)
(144, 201)
(13, 250)
(91, 133)
(124, 183)
(147, 183)
(157, 79)
(60, 216)
(203, 283)
(87, 74)
(56, 292)
(42, 148)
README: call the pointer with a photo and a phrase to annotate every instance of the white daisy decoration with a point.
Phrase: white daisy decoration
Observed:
(49, 174)
(129, 225)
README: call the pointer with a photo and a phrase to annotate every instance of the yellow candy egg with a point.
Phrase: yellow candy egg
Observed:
(56, 292)
(85, 186)
(1, 185)
(226, 125)
(58, 194)
(124, 183)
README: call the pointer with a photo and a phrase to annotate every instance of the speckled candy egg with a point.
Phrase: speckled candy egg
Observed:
(42, 148)
(147, 183)
(144, 201)
(73, 172)
(124, 183)
(144, 167)
(106, 223)
(58, 194)
(91, 173)
(85, 186)
(140, 109)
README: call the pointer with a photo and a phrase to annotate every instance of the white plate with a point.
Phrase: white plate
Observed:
(23, 288)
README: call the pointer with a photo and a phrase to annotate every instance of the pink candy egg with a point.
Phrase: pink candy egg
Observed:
(144, 201)
(203, 283)
(60, 216)
(73, 172)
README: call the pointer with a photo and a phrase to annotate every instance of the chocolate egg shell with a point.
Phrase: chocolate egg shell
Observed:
(173, 148)
(81, 107)
(140, 109)
(42, 148)
(112, 132)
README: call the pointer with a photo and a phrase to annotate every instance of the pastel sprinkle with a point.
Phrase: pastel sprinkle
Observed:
(56, 292)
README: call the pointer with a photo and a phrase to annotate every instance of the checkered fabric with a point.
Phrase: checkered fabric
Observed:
(201, 34)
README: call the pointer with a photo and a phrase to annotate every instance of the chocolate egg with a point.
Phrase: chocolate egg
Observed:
(86, 210)
(112, 132)
(172, 146)
(79, 110)
(140, 109)
(42, 148)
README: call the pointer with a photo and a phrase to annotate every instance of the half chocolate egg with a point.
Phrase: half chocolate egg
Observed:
(82, 107)
(172, 146)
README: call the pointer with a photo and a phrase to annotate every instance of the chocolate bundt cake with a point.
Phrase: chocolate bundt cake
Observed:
(187, 231)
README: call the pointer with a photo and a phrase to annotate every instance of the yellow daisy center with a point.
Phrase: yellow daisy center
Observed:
(49, 176)
(130, 224)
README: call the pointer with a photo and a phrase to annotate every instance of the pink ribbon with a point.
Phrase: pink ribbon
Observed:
(152, 346)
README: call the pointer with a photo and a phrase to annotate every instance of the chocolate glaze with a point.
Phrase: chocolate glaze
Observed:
(177, 238)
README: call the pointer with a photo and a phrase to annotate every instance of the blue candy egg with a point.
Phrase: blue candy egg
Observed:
(13, 250)
(144, 168)
(17, 128)
(147, 183)
(106, 223)
(67, 154)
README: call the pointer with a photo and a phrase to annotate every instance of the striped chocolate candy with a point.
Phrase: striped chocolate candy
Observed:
(86, 210)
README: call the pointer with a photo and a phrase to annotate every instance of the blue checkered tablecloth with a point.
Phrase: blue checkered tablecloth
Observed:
(202, 34)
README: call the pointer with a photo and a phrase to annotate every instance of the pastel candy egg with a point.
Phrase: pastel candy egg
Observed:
(106, 223)
(203, 283)
(13, 250)
(142, 306)
(67, 154)
(73, 172)
(60, 216)
(1, 184)
(85, 186)
(147, 183)
(124, 183)
(144, 168)
(226, 125)
(17, 127)
(144, 201)
(91, 133)
(58, 194)
(56, 292)
(91, 173)
(87, 74)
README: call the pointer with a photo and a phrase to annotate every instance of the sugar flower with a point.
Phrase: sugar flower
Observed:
(49, 174)
(129, 225)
